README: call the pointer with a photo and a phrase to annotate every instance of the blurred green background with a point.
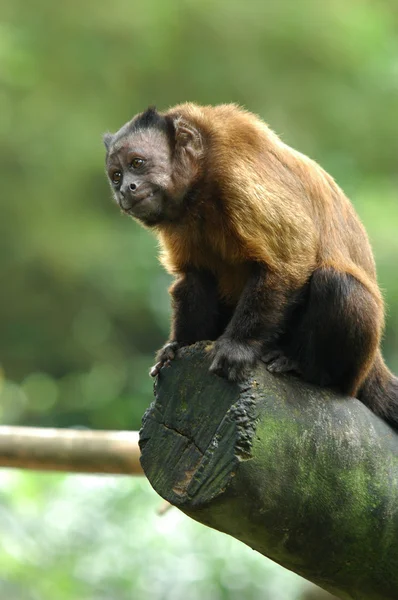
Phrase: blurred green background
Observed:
(83, 302)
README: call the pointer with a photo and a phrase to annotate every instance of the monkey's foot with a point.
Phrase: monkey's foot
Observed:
(277, 362)
(232, 360)
(164, 357)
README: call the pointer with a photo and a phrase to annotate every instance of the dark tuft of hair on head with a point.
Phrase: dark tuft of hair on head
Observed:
(152, 119)
(149, 118)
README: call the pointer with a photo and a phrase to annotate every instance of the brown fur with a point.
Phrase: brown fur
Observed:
(281, 208)
(258, 201)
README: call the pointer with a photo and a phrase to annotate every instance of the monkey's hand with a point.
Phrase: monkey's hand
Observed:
(277, 362)
(233, 360)
(164, 357)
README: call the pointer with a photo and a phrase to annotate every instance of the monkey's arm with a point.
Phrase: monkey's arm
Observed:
(255, 325)
(304, 476)
(195, 316)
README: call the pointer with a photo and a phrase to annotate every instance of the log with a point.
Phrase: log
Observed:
(304, 476)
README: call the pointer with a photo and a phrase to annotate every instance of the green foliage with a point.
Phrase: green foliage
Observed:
(83, 301)
(100, 538)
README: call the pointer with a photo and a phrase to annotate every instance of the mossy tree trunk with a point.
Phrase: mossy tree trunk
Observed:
(303, 476)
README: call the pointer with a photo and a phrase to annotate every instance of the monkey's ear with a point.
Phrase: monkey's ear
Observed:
(187, 137)
(107, 139)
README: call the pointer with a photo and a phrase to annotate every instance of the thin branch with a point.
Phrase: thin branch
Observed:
(79, 451)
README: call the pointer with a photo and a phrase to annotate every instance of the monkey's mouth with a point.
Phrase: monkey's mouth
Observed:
(135, 201)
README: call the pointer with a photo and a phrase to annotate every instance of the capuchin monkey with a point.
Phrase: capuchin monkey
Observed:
(269, 257)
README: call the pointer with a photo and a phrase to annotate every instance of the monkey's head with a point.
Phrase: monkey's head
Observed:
(152, 163)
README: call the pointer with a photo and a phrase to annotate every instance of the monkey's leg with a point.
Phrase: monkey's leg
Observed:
(336, 338)
(196, 314)
(256, 322)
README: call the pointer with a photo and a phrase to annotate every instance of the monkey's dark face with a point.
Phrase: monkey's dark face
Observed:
(149, 171)
(139, 168)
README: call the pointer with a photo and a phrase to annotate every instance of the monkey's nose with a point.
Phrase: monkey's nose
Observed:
(132, 187)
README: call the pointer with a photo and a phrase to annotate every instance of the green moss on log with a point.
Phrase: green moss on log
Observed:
(305, 477)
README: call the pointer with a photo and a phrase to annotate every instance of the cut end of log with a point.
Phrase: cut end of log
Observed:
(197, 431)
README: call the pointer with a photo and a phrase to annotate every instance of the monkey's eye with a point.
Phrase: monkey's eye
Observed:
(116, 177)
(136, 163)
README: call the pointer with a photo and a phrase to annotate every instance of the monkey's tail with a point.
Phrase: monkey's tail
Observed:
(380, 392)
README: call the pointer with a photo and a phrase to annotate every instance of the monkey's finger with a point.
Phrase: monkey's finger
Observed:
(283, 364)
(271, 356)
(236, 373)
(217, 368)
(155, 370)
(169, 354)
(230, 369)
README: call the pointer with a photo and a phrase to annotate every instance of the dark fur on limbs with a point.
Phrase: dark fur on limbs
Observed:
(333, 332)
(195, 307)
(198, 313)
(256, 321)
